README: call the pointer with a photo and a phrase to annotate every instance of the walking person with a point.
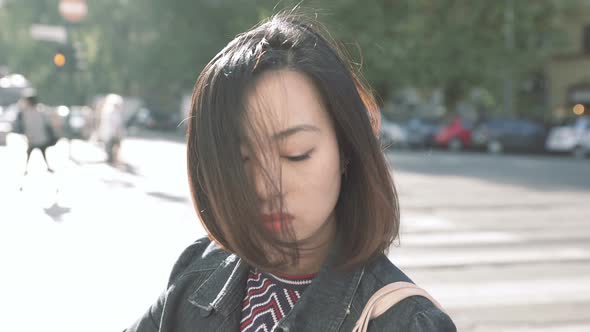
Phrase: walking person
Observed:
(36, 126)
(111, 127)
(289, 180)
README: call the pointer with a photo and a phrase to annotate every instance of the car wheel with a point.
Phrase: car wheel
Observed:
(579, 152)
(455, 145)
(495, 147)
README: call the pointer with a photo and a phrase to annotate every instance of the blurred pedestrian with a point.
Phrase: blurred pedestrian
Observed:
(111, 127)
(32, 122)
(289, 180)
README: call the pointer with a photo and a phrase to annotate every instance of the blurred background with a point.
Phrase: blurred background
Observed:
(485, 122)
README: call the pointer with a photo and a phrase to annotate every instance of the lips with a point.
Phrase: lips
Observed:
(273, 221)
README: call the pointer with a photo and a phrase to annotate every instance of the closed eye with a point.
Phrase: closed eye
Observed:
(290, 158)
(300, 157)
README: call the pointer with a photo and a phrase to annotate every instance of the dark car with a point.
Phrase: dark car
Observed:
(500, 135)
(420, 132)
(149, 119)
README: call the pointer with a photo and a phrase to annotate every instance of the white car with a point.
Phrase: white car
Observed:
(4, 130)
(573, 138)
(7, 118)
(392, 134)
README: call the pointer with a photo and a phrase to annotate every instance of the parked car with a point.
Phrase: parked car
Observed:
(5, 128)
(11, 87)
(7, 118)
(455, 135)
(142, 118)
(499, 135)
(572, 138)
(421, 132)
(392, 134)
(152, 120)
(79, 122)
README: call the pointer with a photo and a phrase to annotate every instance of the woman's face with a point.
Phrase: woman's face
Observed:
(304, 156)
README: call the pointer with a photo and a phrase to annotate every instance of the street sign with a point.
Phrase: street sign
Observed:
(73, 10)
(53, 33)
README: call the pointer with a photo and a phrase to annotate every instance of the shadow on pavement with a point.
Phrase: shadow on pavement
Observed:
(167, 197)
(56, 212)
(125, 168)
(118, 183)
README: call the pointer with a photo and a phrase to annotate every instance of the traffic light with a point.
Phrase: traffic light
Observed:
(59, 59)
(63, 59)
(70, 58)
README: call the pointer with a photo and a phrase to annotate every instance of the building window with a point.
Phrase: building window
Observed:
(587, 40)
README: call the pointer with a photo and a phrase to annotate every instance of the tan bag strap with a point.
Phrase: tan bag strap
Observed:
(386, 298)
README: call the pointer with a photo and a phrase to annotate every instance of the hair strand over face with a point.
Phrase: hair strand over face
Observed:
(367, 211)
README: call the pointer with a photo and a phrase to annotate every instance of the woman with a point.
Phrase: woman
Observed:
(289, 180)
(111, 128)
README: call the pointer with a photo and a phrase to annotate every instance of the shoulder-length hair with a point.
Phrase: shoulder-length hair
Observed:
(367, 211)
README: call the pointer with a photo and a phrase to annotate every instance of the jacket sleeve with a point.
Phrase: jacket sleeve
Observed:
(431, 320)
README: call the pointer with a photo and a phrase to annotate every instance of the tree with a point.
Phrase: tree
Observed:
(451, 44)
(155, 49)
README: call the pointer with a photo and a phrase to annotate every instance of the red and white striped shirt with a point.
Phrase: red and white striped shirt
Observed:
(269, 298)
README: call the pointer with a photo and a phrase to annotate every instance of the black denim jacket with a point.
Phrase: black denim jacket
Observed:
(207, 287)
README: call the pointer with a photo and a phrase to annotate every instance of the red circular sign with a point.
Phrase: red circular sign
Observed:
(73, 10)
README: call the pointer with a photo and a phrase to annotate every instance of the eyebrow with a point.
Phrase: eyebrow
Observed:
(293, 130)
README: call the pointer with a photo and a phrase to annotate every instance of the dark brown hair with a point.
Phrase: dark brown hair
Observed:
(367, 212)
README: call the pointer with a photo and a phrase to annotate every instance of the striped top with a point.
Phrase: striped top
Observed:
(269, 298)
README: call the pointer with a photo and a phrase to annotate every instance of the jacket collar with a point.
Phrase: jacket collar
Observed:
(329, 296)
(327, 300)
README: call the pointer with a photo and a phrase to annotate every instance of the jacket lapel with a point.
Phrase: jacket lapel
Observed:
(222, 293)
(324, 306)
(326, 302)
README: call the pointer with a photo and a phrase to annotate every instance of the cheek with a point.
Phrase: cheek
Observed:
(328, 177)
(318, 187)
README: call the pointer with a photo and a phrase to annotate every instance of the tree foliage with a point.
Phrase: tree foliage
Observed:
(451, 44)
(155, 49)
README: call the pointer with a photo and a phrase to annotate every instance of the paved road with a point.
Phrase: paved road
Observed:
(502, 242)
